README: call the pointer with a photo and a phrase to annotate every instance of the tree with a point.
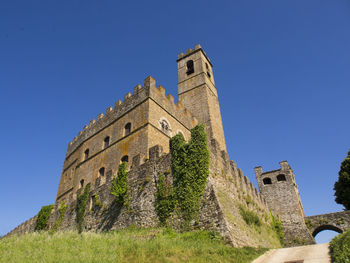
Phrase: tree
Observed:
(342, 186)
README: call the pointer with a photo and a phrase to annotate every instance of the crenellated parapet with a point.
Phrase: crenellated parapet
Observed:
(131, 100)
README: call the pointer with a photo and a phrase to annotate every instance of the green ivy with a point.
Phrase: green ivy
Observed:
(190, 167)
(120, 187)
(59, 220)
(43, 217)
(97, 202)
(82, 201)
(276, 225)
(165, 202)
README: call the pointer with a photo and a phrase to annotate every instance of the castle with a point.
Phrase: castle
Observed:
(138, 130)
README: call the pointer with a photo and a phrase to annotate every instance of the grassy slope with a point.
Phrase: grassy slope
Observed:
(130, 245)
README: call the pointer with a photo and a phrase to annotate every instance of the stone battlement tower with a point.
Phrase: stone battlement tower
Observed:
(280, 191)
(197, 91)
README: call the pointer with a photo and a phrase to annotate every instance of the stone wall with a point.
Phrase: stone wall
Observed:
(227, 188)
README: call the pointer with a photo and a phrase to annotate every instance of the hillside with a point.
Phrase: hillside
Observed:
(129, 245)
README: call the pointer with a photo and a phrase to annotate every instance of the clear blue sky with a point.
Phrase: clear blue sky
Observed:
(281, 70)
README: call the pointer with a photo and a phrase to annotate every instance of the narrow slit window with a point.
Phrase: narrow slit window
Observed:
(86, 154)
(127, 129)
(81, 183)
(106, 142)
(101, 172)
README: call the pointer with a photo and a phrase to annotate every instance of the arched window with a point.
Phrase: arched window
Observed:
(81, 183)
(127, 129)
(101, 172)
(209, 76)
(86, 154)
(190, 67)
(281, 177)
(106, 142)
(125, 158)
(267, 180)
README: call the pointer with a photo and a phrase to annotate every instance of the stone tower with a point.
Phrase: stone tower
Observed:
(197, 91)
(280, 191)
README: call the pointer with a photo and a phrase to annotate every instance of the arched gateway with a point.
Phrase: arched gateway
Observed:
(337, 222)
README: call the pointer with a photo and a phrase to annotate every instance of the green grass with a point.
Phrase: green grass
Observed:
(340, 248)
(129, 245)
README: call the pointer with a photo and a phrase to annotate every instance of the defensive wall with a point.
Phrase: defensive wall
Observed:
(227, 189)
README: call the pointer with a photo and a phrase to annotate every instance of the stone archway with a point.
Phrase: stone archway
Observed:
(338, 222)
(326, 227)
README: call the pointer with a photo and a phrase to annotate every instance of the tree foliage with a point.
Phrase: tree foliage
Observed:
(342, 186)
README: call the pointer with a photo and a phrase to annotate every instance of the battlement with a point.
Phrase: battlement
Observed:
(191, 51)
(131, 100)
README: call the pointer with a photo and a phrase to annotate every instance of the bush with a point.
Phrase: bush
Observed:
(340, 248)
(249, 216)
(59, 220)
(276, 225)
(43, 217)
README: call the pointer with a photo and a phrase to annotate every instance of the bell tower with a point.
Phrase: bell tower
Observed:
(197, 91)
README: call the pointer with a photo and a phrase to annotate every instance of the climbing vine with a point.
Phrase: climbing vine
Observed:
(82, 201)
(59, 220)
(119, 186)
(276, 224)
(165, 202)
(190, 167)
(43, 217)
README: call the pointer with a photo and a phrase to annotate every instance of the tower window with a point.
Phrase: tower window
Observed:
(127, 129)
(106, 142)
(86, 154)
(125, 158)
(208, 74)
(206, 65)
(190, 67)
(81, 183)
(101, 172)
(267, 180)
(281, 177)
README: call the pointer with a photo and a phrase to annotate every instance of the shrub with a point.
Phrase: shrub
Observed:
(249, 216)
(276, 225)
(119, 185)
(43, 217)
(340, 248)
(82, 201)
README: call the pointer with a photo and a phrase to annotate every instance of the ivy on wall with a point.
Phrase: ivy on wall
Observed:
(59, 220)
(43, 217)
(165, 202)
(82, 201)
(190, 169)
(120, 186)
